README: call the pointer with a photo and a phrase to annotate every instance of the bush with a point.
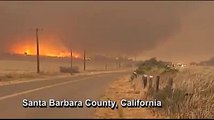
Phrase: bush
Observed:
(150, 65)
(170, 70)
(69, 70)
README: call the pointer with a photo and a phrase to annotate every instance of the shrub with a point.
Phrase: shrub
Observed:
(150, 65)
(69, 70)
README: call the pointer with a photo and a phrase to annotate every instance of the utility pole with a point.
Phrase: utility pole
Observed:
(119, 63)
(71, 59)
(106, 67)
(84, 67)
(37, 50)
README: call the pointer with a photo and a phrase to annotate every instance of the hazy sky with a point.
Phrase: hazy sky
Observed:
(178, 31)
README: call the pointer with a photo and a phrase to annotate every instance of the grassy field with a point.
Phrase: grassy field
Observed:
(190, 96)
(193, 93)
(20, 69)
(49, 66)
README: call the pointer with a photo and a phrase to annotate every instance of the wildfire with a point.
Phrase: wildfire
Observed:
(27, 52)
(47, 48)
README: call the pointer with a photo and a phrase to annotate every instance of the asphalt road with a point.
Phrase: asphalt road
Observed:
(70, 88)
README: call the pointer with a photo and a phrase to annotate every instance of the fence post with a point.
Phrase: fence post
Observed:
(150, 81)
(144, 81)
(157, 83)
(170, 82)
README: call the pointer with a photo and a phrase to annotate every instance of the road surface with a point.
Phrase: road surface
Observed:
(70, 88)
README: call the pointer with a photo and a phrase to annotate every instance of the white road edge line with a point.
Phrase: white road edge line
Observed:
(41, 88)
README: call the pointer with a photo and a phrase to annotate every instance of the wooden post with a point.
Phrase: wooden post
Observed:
(119, 63)
(170, 82)
(144, 81)
(71, 60)
(37, 49)
(132, 78)
(157, 83)
(150, 81)
(106, 67)
(84, 67)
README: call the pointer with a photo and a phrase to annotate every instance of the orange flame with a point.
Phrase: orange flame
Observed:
(48, 47)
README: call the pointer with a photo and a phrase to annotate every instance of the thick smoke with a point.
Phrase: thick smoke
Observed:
(113, 28)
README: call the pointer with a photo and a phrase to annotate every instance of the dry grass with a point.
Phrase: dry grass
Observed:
(118, 90)
(14, 78)
(192, 95)
(22, 66)
(198, 83)
(11, 70)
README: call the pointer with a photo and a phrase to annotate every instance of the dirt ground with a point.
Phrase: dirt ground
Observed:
(118, 90)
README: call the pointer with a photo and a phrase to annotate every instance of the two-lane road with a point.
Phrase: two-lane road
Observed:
(70, 88)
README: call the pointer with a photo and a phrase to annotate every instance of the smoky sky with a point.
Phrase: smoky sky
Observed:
(113, 28)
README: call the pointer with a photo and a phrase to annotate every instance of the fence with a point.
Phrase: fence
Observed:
(147, 84)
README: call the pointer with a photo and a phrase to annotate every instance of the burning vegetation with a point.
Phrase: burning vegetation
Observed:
(48, 48)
